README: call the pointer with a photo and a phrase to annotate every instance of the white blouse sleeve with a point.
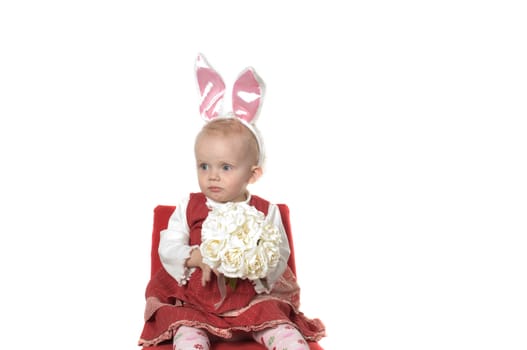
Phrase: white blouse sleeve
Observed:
(174, 247)
(266, 285)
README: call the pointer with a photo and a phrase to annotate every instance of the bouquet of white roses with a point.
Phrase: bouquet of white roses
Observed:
(237, 242)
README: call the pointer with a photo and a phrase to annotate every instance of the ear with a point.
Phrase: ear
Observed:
(211, 89)
(247, 95)
(256, 173)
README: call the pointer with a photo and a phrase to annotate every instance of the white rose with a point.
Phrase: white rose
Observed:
(232, 262)
(271, 252)
(270, 233)
(256, 264)
(210, 251)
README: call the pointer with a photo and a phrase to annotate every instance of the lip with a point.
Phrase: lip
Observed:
(214, 189)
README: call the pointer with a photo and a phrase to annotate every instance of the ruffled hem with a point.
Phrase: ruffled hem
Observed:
(227, 333)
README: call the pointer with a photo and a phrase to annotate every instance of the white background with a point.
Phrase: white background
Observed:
(395, 132)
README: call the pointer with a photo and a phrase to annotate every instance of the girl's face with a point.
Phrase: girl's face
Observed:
(225, 167)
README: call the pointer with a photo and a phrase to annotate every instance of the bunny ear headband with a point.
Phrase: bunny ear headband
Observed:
(247, 95)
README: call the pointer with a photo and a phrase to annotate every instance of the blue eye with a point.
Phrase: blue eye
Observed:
(227, 167)
(203, 166)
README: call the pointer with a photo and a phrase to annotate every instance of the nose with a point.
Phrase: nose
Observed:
(214, 175)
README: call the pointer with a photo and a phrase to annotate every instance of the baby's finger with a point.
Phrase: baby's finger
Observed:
(205, 275)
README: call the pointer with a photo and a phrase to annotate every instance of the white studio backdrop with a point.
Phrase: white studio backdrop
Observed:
(395, 132)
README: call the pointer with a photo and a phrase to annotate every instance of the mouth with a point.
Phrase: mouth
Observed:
(214, 189)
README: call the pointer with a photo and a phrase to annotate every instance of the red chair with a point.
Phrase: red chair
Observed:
(161, 216)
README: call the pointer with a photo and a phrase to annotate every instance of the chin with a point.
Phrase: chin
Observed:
(216, 197)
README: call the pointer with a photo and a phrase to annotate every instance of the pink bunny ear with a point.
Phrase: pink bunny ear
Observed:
(211, 89)
(247, 94)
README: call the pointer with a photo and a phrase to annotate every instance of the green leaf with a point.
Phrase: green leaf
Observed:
(231, 282)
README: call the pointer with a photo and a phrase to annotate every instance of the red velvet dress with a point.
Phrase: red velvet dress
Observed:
(239, 310)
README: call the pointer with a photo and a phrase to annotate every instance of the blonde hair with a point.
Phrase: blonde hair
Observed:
(232, 127)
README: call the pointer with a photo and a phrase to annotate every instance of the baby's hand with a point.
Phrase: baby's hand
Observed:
(196, 260)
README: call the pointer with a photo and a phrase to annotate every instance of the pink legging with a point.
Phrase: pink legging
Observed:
(189, 338)
(281, 337)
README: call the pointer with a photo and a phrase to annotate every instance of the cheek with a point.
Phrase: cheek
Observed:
(201, 178)
(232, 182)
